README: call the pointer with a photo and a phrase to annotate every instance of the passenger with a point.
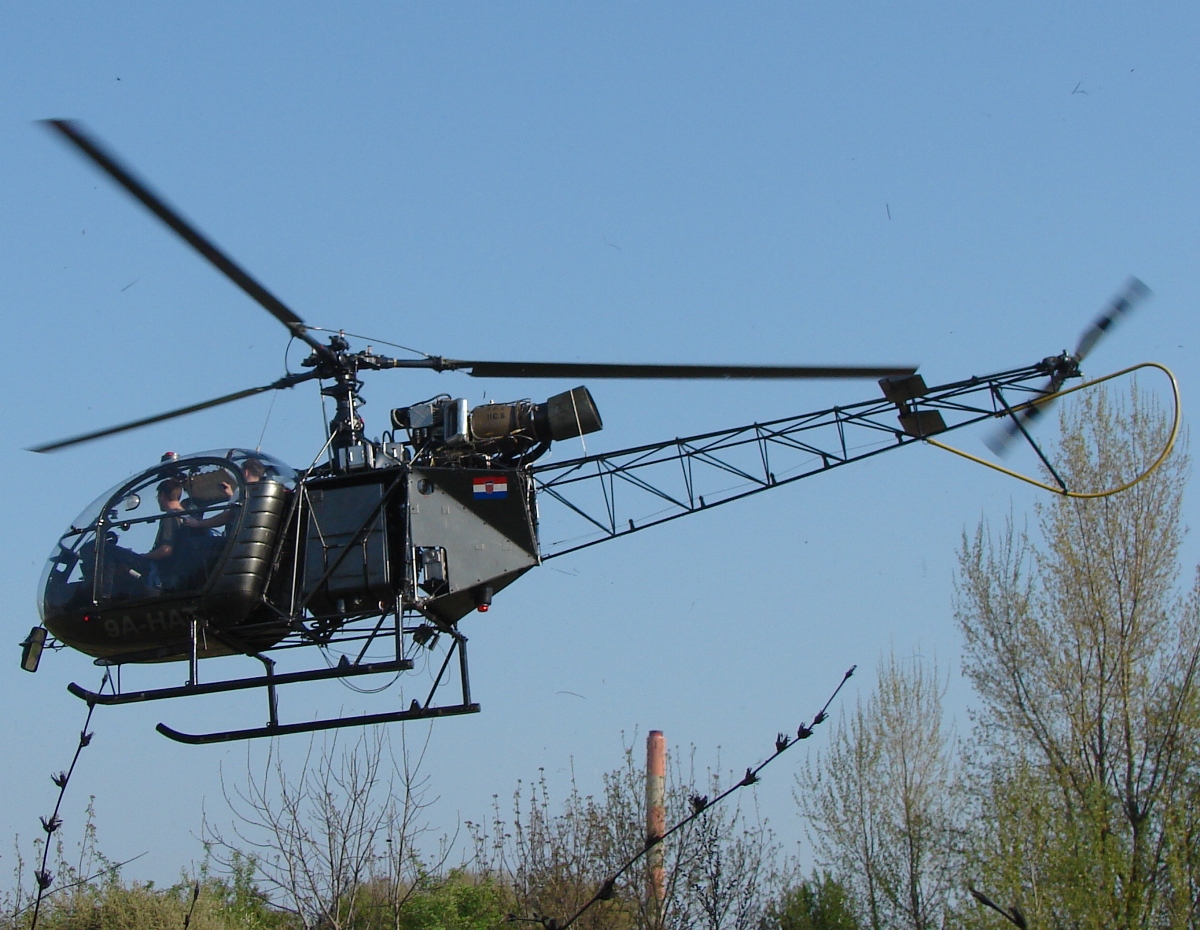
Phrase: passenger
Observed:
(168, 541)
(253, 472)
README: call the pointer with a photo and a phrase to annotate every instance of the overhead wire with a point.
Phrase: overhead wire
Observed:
(50, 825)
(116, 866)
(607, 888)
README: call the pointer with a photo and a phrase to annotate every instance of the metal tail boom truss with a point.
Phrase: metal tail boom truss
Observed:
(617, 493)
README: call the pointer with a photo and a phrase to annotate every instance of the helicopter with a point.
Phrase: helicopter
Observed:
(384, 544)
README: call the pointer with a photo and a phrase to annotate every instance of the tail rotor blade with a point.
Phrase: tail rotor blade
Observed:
(1133, 293)
(1000, 441)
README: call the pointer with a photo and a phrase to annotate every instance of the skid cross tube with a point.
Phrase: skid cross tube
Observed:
(272, 693)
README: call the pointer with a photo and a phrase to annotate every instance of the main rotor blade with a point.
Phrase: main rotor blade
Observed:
(75, 133)
(285, 382)
(688, 372)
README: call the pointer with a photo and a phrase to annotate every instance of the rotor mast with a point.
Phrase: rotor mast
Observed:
(335, 364)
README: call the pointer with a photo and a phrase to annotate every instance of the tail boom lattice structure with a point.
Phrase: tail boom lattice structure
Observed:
(617, 493)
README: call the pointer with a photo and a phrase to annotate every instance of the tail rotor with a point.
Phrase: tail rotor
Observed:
(1131, 294)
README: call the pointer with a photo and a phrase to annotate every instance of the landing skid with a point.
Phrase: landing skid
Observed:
(414, 713)
(271, 681)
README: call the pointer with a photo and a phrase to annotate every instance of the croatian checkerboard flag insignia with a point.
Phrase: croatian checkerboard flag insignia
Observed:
(490, 487)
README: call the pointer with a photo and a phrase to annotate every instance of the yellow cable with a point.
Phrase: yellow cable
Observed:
(1084, 495)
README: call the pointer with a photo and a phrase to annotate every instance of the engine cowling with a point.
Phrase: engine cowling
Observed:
(448, 428)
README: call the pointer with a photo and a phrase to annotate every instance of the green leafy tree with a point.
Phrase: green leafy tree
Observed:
(818, 903)
(1084, 654)
(882, 801)
(458, 901)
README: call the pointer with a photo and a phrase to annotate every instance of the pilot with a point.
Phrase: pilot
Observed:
(174, 554)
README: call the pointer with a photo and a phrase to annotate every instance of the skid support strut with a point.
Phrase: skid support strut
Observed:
(194, 652)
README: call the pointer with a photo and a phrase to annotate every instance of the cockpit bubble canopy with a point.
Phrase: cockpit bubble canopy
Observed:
(145, 512)
(173, 465)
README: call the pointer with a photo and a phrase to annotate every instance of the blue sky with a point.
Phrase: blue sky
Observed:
(954, 185)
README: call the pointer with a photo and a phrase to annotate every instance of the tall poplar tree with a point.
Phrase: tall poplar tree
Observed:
(881, 802)
(1084, 653)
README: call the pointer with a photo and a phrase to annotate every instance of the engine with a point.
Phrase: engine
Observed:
(447, 431)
